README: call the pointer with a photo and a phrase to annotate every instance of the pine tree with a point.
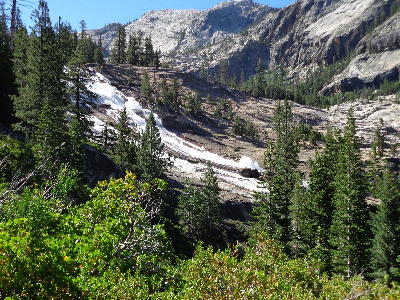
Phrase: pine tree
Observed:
(7, 78)
(350, 219)
(41, 103)
(300, 215)
(148, 53)
(223, 71)
(133, 51)
(151, 157)
(41, 82)
(273, 212)
(118, 53)
(126, 144)
(146, 90)
(386, 229)
(79, 78)
(98, 54)
(193, 103)
(378, 144)
(200, 209)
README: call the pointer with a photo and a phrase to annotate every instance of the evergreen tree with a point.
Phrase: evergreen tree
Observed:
(193, 103)
(133, 52)
(42, 73)
(65, 42)
(41, 103)
(148, 53)
(7, 78)
(170, 95)
(273, 212)
(223, 71)
(51, 140)
(98, 54)
(378, 144)
(125, 147)
(386, 229)
(151, 157)
(79, 79)
(146, 90)
(200, 210)
(300, 227)
(118, 53)
(311, 211)
(350, 219)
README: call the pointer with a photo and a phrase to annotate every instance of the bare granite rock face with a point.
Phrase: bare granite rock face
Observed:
(299, 37)
(182, 31)
(378, 59)
(107, 34)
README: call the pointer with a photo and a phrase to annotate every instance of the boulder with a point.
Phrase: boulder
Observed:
(249, 173)
(99, 167)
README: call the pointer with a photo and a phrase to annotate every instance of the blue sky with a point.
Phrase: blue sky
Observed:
(98, 13)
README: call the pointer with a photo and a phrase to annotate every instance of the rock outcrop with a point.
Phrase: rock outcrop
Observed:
(378, 59)
(99, 167)
(299, 37)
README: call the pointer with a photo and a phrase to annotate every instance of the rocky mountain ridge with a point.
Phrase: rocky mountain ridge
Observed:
(181, 31)
(301, 37)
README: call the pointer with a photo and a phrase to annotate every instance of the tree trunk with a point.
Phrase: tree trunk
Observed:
(13, 24)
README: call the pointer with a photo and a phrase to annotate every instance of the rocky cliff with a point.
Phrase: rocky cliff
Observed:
(300, 37)
(182, 31)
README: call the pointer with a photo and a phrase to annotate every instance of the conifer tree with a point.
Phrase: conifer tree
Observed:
(386, 229)
(223, 72)
(311, 211)
(151, 157)
(273, 212)
(7, 78)
(350, 219)
(200, 210)
(133, 50)
(79, 79)
(300, 216)
(148, 53)
(126, 144)
(146, 90)
(118, 53)
(41, 104)
(42, 74)
(98, 54)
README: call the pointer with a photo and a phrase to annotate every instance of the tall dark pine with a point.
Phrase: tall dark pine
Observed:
(300, 216)
(98, 54)
(386, 229)
(148, 53)
(312, 212)
(282, 160)
(146, 90)
(79, 78)
(126, 144)
(7, 78)
(41, 104)
(151, 156)
(41, 75)
(118, 53)
(350, 220)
